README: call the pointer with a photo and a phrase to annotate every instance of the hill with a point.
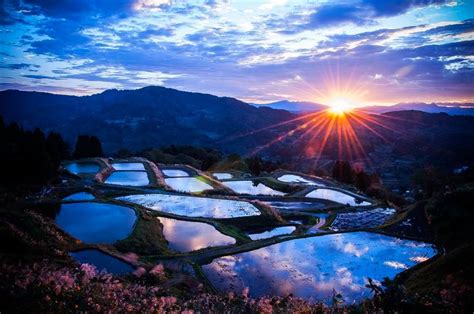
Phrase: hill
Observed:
(449, 108)
(147, 117)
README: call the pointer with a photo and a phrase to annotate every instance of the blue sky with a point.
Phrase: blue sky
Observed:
(370, 51)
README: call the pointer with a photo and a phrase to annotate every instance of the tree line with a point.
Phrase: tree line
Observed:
(32, 158)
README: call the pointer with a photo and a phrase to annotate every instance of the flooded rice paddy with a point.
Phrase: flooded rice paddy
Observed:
(312, 267)
(102, 262)
(336, 196)
(272, 233)
(83, 167)
(186, 236)
(362, 219)
(250, 188)
(187, 184)
(290, 206)
(291, 178)
(175, 173)
(128, 166)
(130, 178)
(192, 206)
(80, 196)
(222, 175)
(96, 222)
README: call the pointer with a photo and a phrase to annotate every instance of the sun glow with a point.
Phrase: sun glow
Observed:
(340, 105)
(336, 131)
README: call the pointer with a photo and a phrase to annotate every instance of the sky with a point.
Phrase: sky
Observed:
(369, 52)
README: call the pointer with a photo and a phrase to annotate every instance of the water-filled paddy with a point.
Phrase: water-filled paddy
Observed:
(175, 173)
(186, 236)
(291, 178)
(272, 233)
(131, 178)
(362, 219)
(96, 222)
(82, 167)
(222, 175)
(312, 267)
(137, 166)
(192, 206)
(280, 205)
(336, 196)
(248, 187)
(102, 261)
(80, 196)
(187, 184)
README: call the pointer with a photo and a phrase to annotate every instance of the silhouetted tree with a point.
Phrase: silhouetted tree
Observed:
(254, 164)
(362, 180)
(57, 147)
(233, 157)
(87, 146)
(27, 158)
(342, 171)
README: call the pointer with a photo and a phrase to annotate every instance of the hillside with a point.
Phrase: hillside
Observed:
(394, 144)
(147, 117)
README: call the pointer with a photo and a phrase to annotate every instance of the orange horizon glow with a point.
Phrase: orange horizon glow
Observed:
(336, 125)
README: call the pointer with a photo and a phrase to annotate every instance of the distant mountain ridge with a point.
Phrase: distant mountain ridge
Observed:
(148, 117)
(305, 107)
(157, 116)
(449, 108)
(293, 106)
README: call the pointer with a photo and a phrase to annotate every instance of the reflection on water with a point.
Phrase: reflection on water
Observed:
(313, 267)
(128, 166)
(175, 173)
(188, 184)
(132, 178)
(96, 222)
(291, 178)
(81, 196)
(186, 236)
(102, 261)
(82, 167)
(336, 196)
(192, 206)
(248, 187)
(272, 233)
(222, 175)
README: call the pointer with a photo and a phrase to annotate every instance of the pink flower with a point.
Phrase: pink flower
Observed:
(158, 271)
(89, 272)
(264, 306)
(130, 257)
(140, 271)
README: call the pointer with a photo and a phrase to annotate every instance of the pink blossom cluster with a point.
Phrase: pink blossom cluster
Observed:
(53, 288)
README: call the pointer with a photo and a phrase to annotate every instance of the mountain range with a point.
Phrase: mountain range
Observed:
(306, 106)
(158, 116)
(293, 106)
(148, 117)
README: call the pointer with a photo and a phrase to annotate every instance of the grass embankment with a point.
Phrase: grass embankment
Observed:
(146, 238)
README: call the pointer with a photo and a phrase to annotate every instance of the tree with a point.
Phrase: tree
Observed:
(87, 146)
(254, 164)
(362, 180)
(57, 147)
(342, 171)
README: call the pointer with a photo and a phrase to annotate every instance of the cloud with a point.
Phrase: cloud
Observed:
(19, 66)
(203, 46)
(361, 12)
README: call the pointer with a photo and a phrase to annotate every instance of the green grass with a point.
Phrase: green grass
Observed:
(146, 238)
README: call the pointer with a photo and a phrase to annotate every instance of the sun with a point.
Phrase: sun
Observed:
(340, 105)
